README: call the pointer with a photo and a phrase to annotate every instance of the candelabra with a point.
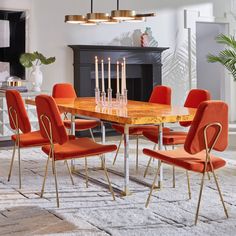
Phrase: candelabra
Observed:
(109, 97)
(117, 98)
(103, 99)
(106, 101)
(124, 98)
(97, 96)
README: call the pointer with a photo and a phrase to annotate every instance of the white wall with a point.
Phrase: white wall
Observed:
(15, 4)
(50, 35)
(210, 76)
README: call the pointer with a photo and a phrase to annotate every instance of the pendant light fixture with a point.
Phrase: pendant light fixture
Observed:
(97, 17)
(111, 21)
(88, 23)
(117, 16)
(91, 19)
(122, 15)
(136, 19)
(75, 19)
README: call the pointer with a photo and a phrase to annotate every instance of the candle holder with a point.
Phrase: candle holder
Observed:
(109, 97)
(97, 96)
(124, 98)
(118, 98)
(103, 98)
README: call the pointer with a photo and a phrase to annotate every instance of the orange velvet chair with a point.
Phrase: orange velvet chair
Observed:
(63, 148)
(208, 131)
(20, 124)
(194, 98)
(66, 90)
(160, 94)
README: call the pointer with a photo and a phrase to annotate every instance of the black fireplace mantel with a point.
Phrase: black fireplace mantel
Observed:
(143, 68)
(117, 48)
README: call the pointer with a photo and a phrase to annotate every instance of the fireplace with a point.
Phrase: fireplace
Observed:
(143, 70)
(143, 65)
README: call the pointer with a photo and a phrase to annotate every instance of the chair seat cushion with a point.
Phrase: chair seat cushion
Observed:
(179, 157)
(81, 124)
(77, 148)
(169, 138)
(31, 139)
(138, 130)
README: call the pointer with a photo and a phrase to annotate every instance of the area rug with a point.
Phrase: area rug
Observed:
(91, 211)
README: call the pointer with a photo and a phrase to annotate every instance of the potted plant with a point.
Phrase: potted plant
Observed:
(227, 57)
(35, 60)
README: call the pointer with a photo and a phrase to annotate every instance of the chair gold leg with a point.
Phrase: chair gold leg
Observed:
(137, 139)
(91, 132)
(221, 196)
(209, 177)
(53, 169)
(173, 170)
(148, 164)
(200, 196)
(19, 166)
(68, 168)
(45, 176)
(55, 176)
(12, 161)
(118, 149)
(108, 180)
(189, 188)
(153, 184)
(86, 170)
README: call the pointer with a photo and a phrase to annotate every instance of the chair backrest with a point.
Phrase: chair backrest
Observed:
(161, 94)
(194, 98)
(17, 112)
(207, 113)
(46, 107)
(64, 90)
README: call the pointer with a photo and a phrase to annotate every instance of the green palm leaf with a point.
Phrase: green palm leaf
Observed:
(226, 57)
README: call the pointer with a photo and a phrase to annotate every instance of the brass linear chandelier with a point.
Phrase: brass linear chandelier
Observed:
(117, 16)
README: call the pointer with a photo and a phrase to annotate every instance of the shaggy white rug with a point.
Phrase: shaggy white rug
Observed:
(93, 212)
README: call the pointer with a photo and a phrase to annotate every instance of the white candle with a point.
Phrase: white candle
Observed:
(96, 72)
(124, 73)
(103, 83)
(109, 72)
(122, 78)
(117, 78)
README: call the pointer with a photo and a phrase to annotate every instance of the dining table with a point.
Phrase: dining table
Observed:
(134, 113)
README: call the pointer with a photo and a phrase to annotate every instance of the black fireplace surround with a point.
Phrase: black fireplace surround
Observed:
(143, 68)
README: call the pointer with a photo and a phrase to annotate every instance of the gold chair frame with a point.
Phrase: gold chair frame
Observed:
(16, 129)
(173, 169)
(207, 161)
(54, 171)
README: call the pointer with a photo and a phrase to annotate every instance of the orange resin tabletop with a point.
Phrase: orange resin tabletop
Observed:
(135, 113)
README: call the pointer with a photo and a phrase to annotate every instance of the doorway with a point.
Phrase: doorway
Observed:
(210, 76)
